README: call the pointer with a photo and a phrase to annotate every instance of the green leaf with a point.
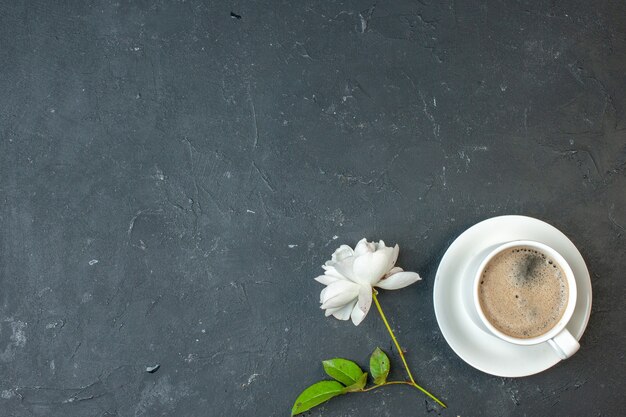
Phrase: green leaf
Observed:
(358, 385)
(343, 370)
(315, 395)
(379, 366)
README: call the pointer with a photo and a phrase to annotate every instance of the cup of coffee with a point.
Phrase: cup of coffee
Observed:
(524, 292)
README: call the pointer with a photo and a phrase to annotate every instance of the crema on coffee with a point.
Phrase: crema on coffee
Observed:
(523, 292)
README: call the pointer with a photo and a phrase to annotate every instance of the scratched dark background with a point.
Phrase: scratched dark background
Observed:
(172, 177)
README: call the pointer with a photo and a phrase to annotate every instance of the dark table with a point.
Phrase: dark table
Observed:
(173, 174)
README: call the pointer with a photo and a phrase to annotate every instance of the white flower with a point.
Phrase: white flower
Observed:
(350, 275)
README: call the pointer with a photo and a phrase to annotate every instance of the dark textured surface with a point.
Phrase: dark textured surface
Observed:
(172, 177)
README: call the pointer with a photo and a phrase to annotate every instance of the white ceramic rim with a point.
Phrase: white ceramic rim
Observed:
(571, 300)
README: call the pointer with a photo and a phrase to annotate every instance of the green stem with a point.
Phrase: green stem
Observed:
(387, 383)
(406, 366)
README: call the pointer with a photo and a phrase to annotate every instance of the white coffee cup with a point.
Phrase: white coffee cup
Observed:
(558, 336)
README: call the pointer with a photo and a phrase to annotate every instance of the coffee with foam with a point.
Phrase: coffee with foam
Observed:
(523, 293)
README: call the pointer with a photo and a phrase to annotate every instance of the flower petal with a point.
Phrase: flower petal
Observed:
(342, 252)
(322, 294)
(363, 247)
(394, 270)
(326, 279)
(357, 315)
(363, 305)
(332, 271)
(394, 256)
(339, 293)
(343, 313)
(398, 280)
(346, 268)
(371, 267)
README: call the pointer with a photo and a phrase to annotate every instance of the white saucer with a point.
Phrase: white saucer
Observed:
(476, 347)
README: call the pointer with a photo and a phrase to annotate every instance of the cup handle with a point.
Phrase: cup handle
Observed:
(564, 344)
